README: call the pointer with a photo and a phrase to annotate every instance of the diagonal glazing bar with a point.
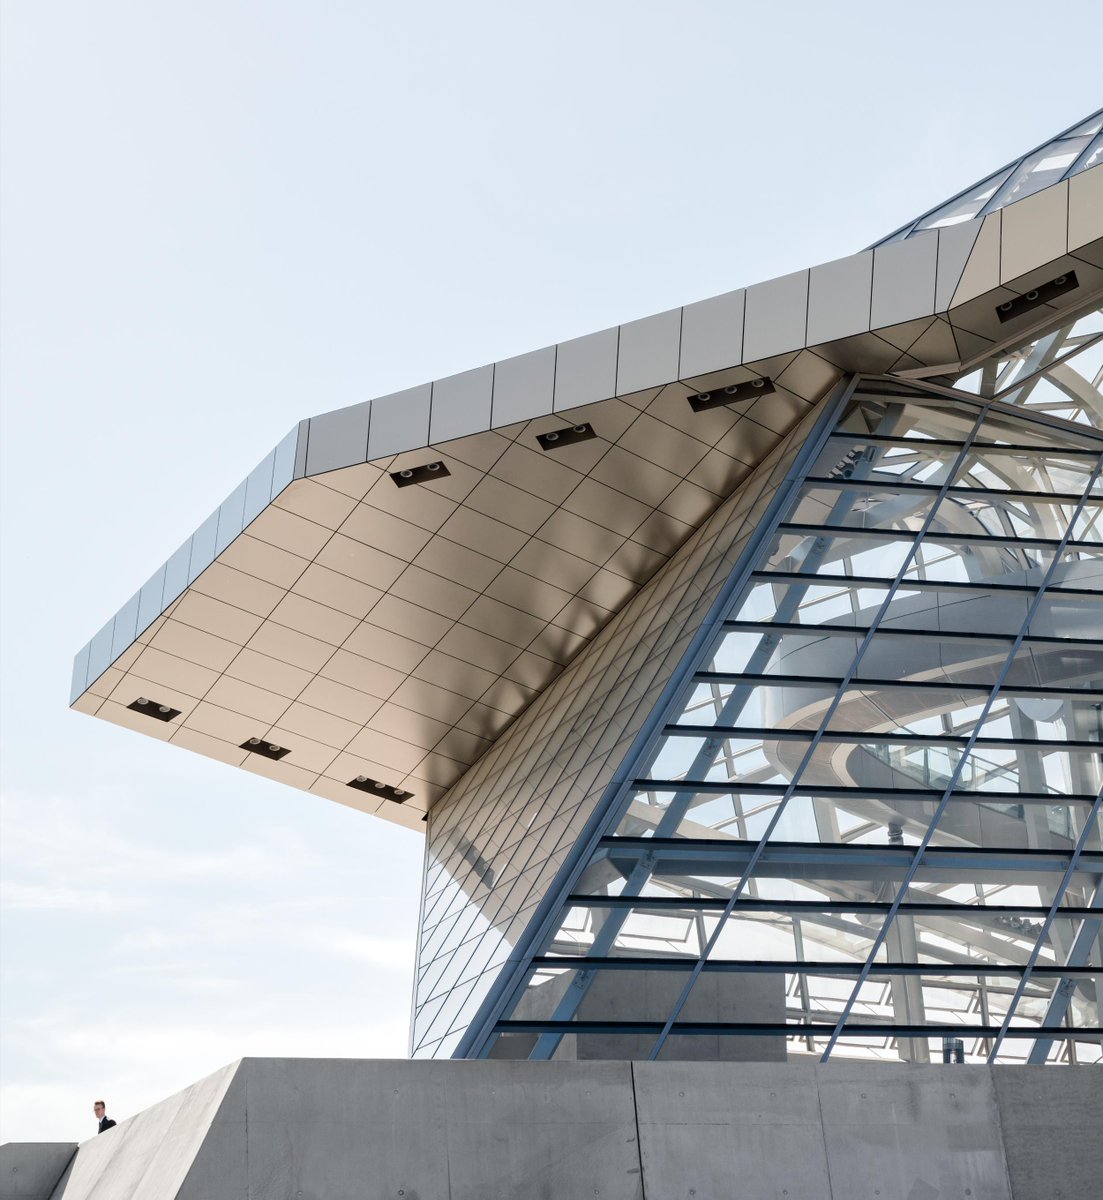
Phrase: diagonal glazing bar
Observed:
(956, 775)
(949, 474)
(1077, 957)
(1043, 933)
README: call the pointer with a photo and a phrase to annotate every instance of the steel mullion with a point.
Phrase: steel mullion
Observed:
(956, 774)
(1042, 371)
(1080, 950)
(1039, 356)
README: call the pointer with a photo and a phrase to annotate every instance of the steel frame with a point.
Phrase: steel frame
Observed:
(528, 954)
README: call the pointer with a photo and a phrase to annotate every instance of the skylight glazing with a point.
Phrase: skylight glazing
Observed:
(1066, 155)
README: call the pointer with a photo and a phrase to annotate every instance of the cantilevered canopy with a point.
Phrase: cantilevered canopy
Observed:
(396, 581)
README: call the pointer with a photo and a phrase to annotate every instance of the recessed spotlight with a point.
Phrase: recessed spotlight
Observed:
(150, 708)
(422, 474)
(732, 394)
(264, 748)
(1036, 297)
(558, 438)
(363, 784)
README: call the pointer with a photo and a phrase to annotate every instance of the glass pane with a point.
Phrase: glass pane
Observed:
(666, 931)
(965, 207)
(1040, 169)
(813, 743)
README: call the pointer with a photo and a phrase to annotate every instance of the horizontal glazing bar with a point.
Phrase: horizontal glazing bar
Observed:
(974, 537)
(914, 585)
(954, 493)
(750, 1029)
(827, 907)
(772, 628)
(882, 387)
(863, 683)
(846, 737)
(726, 852)
(713, 787)
(800, 967)
(1056, 425)
(857, 438)
(884, 439)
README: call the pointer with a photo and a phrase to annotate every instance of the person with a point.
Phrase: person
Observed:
(100, 1109)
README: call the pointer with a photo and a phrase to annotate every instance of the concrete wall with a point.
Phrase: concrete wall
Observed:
(351, 1130)
(148, 1156)
(338, 1129)
(30, 1170)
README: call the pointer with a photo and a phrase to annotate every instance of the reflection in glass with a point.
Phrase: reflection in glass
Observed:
(872, 818)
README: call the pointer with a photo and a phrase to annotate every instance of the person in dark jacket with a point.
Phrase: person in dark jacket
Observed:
(100, 1109)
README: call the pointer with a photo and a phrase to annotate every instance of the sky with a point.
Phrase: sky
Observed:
(221, 217)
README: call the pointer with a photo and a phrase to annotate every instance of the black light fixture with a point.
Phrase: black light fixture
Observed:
(150, 708)
(363, 784)
(264, 748)
(732, 394)
(558, 438)
(423, 474)
(1036, 297)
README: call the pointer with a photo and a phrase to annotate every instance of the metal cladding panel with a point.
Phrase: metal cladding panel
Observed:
(500, 836)
(450, 604)
(387, 632)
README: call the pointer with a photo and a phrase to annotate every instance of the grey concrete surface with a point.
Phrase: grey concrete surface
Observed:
(30, 1170)
(918, 1132)
(146, 1157)
(719, 1130)
(344, 1129)
(339, 1129)
(1052, 1129)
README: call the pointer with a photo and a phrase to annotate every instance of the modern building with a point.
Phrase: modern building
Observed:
(742, 665)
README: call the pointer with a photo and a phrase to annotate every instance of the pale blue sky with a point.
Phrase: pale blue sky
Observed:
(219, 218)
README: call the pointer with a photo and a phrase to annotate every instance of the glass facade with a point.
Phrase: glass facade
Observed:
(868, 822)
